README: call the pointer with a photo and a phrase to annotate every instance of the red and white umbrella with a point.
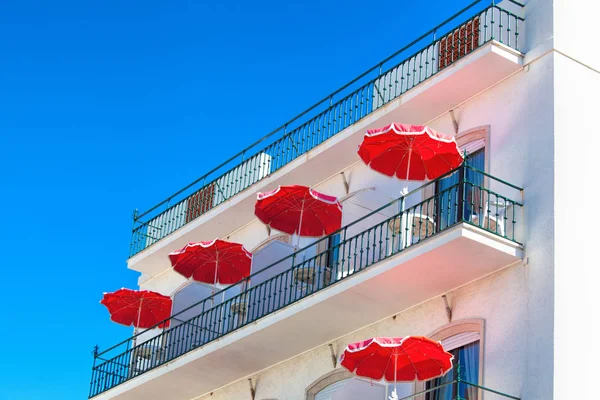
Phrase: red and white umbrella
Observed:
(407, 359)
(215, 262)
(410, 152)
(138, 308)
(299, 210)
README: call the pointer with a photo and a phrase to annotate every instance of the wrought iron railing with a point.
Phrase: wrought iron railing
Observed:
(458, 389)
(392, 77)
(466, 195)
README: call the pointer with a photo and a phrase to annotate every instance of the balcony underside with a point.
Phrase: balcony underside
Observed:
(431, 268)
(491, 63)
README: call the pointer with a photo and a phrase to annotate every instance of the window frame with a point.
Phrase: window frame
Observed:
(480, 133)
(279, 237)
(473, 135)
(453, 329)
(175, 320)
(329, 378)
(339, 375)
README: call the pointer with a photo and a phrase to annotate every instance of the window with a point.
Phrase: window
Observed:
(280, 237)
(269, 259)
(188, 295)
(473, 142)
(185, 307)
(464, 339)
(466, 357)
(450, 191)
(353, 389)
(334, 250)
(348, 255)
(328, 251)
(341, 385)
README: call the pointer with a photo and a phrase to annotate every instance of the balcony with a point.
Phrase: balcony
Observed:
(409, 86)
(447, 233)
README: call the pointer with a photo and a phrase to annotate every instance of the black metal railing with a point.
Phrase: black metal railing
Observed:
(458, 389)
(465, 195)
(414, 63)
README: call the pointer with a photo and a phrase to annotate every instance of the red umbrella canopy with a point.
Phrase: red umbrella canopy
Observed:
(140, 308)
(408, 359)
(215, 262)
(410, 152)
(299, 210)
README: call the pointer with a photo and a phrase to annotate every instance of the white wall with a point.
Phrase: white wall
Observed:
(575, 30)
(359, 177)
(500, 299)
(539, 23)
(519, 112)
(576, 298)
(518, 304)
(539, 19)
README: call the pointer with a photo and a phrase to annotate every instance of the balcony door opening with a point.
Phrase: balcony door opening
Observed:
(466, 351)
(457, 202)
(189, 303)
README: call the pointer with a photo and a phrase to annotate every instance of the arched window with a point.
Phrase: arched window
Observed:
(189, 295)
(279, 237)
(474, 143)
(341, 384)
(186, 296)
(464, 339)
(474, 140)
(356, 205)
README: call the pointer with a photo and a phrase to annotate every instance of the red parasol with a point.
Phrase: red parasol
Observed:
(408, 359)
(215, 262)
(299, 210)
(410, 152)
(140, 308)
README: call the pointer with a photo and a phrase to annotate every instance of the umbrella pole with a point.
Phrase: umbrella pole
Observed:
(395, 395)
(300, 225)
(133, 359)
(135, 330)
(214, 288)
(405, 189)
(134, 341)
(298, 238)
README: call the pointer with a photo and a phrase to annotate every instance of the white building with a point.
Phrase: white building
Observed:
(517, 85)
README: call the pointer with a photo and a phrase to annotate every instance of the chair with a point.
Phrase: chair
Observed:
(493, 217)
(144, 357)
(410, 228)
(238, 313)
(307, 277)
(148, 352)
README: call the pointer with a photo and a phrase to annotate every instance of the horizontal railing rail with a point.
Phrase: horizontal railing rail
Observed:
(465, 195)
(385, 81)
(440, 391)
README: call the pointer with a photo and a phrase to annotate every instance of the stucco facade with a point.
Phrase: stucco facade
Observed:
(500, 300)
(537, 126)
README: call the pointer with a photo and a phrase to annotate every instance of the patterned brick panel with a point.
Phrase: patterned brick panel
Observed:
(459, 43)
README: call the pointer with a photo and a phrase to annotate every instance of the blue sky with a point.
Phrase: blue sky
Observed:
(110, 105)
